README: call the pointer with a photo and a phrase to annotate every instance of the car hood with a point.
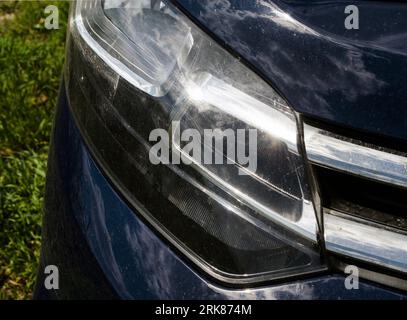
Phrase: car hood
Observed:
(351, 78)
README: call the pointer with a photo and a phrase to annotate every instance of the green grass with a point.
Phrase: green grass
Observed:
(31, 59)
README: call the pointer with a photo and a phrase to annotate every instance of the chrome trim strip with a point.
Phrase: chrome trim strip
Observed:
(324, 148)
(382, 278)
(363, 240)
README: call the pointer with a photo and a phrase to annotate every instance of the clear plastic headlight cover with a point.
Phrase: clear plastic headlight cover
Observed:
(140, 65)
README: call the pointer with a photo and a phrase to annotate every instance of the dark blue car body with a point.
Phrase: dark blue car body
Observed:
(102, 246)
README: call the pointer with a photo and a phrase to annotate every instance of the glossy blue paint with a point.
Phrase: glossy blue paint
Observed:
(104, 250)
(353, 78)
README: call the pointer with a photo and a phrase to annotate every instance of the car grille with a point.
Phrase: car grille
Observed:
(363, 194)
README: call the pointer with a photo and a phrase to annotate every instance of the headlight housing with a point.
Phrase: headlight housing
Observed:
(136, 66)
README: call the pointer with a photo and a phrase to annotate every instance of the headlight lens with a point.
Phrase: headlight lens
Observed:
(135, 66)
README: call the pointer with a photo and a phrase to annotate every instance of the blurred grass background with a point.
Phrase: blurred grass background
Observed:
(31, 59)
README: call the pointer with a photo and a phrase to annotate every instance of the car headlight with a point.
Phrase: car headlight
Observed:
(136, 66)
